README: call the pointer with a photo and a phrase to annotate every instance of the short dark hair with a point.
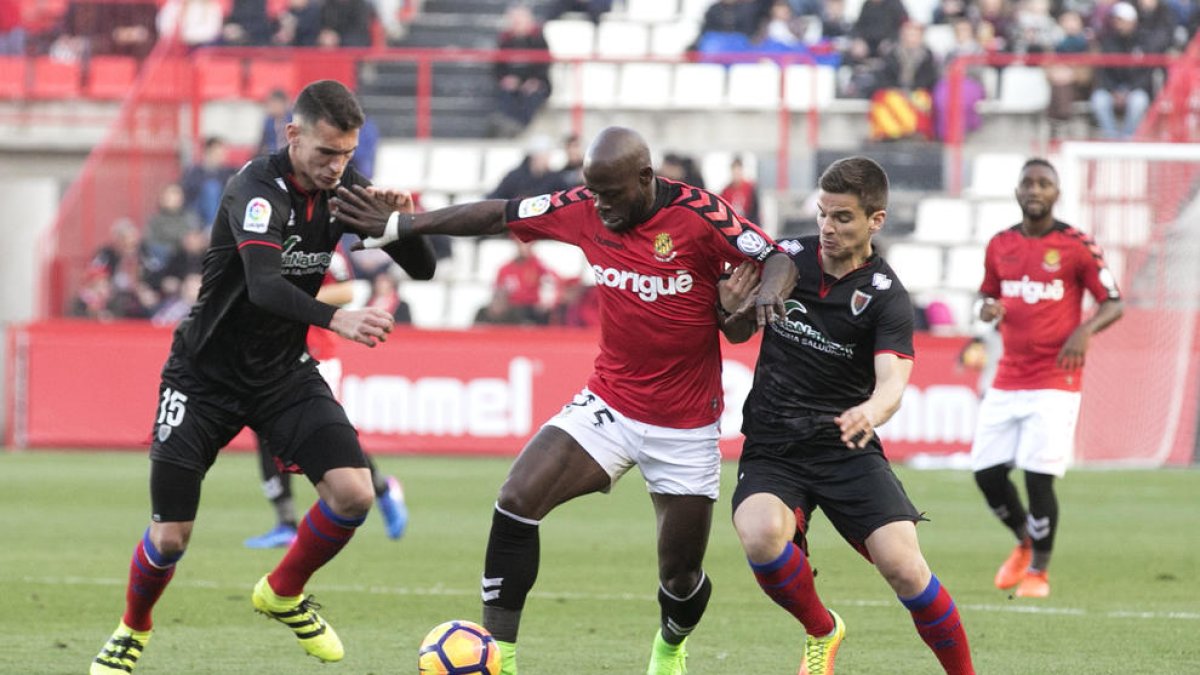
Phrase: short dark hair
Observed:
(1038, 161)
(861, 177)
(330, 101)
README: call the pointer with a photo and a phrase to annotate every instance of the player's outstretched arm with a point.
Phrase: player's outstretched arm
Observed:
(891, 377)
(778, 278)
(414, 255)
(374, 219)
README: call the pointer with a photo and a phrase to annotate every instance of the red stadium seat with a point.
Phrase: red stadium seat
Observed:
(168, 80)
(55, 79)
(267, 76)
(219, 78)
(12, 77)
(110, 77)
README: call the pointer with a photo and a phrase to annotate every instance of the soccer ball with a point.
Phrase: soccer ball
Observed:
(459, 648)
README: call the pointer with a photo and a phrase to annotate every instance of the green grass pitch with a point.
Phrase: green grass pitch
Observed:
(1126, 577)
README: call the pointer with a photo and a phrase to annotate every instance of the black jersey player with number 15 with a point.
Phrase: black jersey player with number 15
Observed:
(827, 375)
(239, 360)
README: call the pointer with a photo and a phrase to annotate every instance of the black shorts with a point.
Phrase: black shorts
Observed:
(196, 418)
(856, 489)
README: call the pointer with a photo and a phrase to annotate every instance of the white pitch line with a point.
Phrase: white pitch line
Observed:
(635, 597)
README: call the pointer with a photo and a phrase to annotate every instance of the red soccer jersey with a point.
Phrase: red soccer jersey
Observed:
(660, 355)
(1040, 281)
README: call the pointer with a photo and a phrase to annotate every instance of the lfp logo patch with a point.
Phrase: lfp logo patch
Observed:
(258, 216)
(533, 206)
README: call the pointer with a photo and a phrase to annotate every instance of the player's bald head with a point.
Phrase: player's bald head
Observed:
(618, 149)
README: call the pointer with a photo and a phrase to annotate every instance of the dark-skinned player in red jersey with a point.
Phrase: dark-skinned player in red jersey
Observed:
(239, 360)
(827, 375)
(658, 250)
(1035, 275)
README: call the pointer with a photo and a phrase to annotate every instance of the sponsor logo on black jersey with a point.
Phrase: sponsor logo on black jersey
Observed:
(299, 263)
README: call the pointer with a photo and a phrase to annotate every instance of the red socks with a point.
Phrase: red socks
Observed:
(149, 574)
(320, 536)
(938, 624)
(788, 580)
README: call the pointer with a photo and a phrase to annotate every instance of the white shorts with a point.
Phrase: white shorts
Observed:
(673, 461)
(1033, 429)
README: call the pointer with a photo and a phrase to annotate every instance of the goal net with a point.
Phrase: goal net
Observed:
(1140, 203)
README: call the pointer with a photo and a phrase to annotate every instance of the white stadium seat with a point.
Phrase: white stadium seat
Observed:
(622, 39)
(454, 168)
(466, 297)
(810, 86)
(940, 39)
(650, 11)
(753, 86)
(644, 86)
(1024, 89)
(400, 165)
(919, 266)
(673, 39)
(599, 84)
(943, 220)
(694, 9)
(995, 174)
(460, 266)
(491, 255)
(566, 260)
(426, 302)
(964, 267)
(698, 86)
(993, 216)
(497, 162)
(570, 38)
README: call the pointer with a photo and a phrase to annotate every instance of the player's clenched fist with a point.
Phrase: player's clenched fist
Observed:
(368, 326)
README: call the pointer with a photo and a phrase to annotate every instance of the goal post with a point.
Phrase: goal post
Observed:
(1141, 392)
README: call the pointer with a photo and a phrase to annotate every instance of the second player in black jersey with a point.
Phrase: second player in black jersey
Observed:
(829, 372)
(239, 360)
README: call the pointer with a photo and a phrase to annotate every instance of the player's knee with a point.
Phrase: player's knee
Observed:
(680, 582)
(762, 541)
(907, 575)
(514, 499)
(352, 503)
(170, 539)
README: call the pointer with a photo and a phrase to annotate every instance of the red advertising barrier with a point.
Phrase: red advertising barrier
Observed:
(483, 391)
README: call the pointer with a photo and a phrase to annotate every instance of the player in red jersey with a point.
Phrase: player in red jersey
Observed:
(657, 250)
(1035, 274)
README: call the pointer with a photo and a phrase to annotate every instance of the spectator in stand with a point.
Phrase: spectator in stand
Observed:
(909, 66)
(738, 17)
(165, 229)
(879, 23)
(533, 176)
(175, 307)
(1121, 88)
(681, 168)
(1067, 83)
(12, 29)
(948, 11)
(835, 29)
(782, 29)
(579, 306)
(1034, 30)
(571, 174)
(593, 8)
(499, 311)
(971, 91)
(204, 181)
(299, 25)
(1156, 23)
(522, 279)
(278, 113)
(994, 24)
(94, 28)
(187, 259)
(195, 23)
(95, 299)
(346, 23)
(385, 295)
(521, 87)
(247, 24)
(132, 270)
(741, 193)
(368, 148)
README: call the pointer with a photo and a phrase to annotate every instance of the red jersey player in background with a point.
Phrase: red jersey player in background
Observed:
(658, 249)
(1035, 274)
(336, 289)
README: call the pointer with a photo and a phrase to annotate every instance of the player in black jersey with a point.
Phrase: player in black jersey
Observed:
(239, 360)
(828, 373)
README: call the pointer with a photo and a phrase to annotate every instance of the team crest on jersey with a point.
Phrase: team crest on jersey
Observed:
(859, 302)
(881, 281)
(664, 248)
(751, 243)
(164, 432)
(258, 216)
(1052, 260)
(533, 206)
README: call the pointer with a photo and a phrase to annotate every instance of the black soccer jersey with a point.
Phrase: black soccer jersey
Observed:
(226, 337)
(820, 359)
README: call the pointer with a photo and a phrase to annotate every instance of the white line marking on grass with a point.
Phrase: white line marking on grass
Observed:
(636, 597)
